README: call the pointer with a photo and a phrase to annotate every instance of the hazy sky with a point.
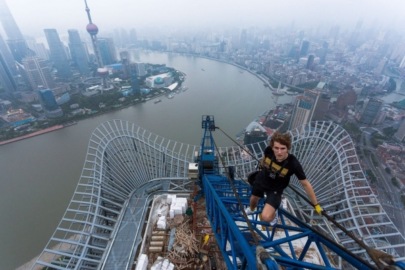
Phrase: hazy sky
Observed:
(33, 16)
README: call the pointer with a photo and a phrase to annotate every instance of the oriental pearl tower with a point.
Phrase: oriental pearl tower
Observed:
(92, 29)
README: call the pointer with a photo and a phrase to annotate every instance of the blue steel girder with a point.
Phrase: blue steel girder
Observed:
(235, 239)
(234, 247)
(208, 163)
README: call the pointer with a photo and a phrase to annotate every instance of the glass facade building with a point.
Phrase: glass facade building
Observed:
(58, 54)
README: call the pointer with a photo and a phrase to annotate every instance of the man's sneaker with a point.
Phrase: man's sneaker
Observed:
(275, 219)
(249, 211)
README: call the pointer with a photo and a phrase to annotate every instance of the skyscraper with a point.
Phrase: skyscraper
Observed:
(8, 22)
(8, 57)
(125, 61)
(7, 69)
(7, 83)
(322, 107)
(38, 72)
(78, 52)
(15, 39)
(107, 51)
(58, 54)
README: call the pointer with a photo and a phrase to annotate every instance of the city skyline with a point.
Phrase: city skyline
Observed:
(354, 50)
(188, 15)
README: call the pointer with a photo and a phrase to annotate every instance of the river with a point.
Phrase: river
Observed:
(39, 175)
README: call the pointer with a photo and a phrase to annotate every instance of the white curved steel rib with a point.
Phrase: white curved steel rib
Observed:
(329, 158)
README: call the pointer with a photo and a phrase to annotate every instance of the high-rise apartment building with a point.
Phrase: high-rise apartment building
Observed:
(78, 52)
(38, 72)
(304, 108)
(301, 113)
(371, 111)
(58, 54)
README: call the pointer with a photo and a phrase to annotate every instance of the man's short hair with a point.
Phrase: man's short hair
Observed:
(281, 138)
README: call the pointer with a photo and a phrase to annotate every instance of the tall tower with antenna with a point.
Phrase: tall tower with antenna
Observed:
(92, 29)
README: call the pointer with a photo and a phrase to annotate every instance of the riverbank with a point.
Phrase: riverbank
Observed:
(56, 127)
(87, 116)
(261, 77)
(36, 133)
(72, 122)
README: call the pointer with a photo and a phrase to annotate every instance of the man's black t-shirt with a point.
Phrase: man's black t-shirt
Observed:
(275, 176)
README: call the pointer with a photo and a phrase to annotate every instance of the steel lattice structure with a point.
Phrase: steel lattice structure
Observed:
(125, 165)
(330, 161)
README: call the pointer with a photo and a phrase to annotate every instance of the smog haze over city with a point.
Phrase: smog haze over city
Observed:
(267, 65)
(208, 14)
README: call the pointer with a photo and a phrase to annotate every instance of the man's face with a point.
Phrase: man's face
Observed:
(280, 151)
